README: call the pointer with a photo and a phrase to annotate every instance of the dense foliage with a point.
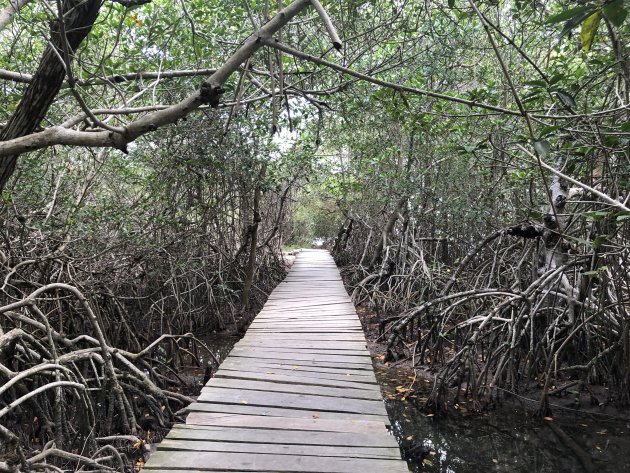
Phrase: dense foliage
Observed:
(468, 162)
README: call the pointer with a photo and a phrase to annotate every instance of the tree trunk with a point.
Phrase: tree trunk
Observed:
(253, 242)
(79, 16)
(389, 227)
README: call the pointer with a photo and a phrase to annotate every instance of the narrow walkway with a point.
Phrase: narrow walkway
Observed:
(296, 394)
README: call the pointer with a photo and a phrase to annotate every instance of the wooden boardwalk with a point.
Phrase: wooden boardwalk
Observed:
(296, 394)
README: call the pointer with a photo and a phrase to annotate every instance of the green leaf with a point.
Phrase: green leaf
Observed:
(598, 241)
(596, 215)
(557, 78)
(542, 148)
(589, 28)
(566, 98)
(451, 3)
(625, 126)
(568, 14)
(536, 83)
(615, 12)
(576, 20)
(548, 130)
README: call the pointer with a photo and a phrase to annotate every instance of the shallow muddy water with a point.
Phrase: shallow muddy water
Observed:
(509, 440)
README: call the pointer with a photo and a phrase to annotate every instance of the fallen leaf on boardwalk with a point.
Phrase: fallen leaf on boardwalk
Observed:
(244, 402)
(409, 438)
(294, 367)
(430, 415)
(315, 415)
(548, 418)
(269, 372)
(427, 462)
(494, 460)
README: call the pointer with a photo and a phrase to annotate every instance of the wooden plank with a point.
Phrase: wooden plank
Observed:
(282, 412)
(346, 372)
(311, 327)
(315, 321)
(297, 357)
(302, 365)
(284, 436)
(292, 343)
(263, 342)
(283, 423)
(326, 361)
(255, 385)
(288, 376)
(330, 336)
(314, 350)
(346, 332)
(292, 317)
(336, 321)
(291, 401)
(280, 449)
(227, 461)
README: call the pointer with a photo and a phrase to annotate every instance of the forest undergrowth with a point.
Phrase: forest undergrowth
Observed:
(491, 326)
(106, 298)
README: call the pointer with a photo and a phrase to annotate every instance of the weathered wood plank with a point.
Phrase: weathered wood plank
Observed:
(255, 385)
(305, 345)
(306, 350)
(282, 412)
(300, 357)
(227, 461)
(348, 373)
(295, 437)
(301, 377)
(291, 401)
(225, 420)
(301, 365)
(281, 449)
(315, 337)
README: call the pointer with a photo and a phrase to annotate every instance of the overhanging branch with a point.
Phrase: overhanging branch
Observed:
(210, 94)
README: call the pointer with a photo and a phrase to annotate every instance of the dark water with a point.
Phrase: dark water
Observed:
(510, 441)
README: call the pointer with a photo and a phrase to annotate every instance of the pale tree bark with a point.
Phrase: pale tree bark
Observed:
(8, 12)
